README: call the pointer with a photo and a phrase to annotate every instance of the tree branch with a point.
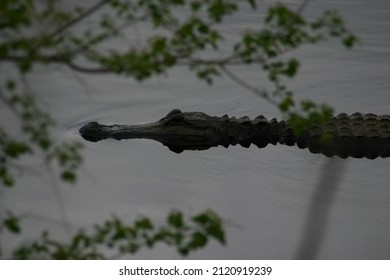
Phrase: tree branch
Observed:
(104, 36)
(87, 70)
(262, 93)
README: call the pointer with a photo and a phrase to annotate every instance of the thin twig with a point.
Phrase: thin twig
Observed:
(41, 218)
(262, 93)
(81, 82)
(60, 201)
(302, 7)
(81, 17)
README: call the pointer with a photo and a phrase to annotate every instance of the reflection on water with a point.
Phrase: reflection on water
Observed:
(318, 212)
(264, 194)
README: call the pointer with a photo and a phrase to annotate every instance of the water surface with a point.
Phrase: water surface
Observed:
(264, 194)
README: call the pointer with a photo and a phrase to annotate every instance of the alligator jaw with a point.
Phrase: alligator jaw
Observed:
(193, 131)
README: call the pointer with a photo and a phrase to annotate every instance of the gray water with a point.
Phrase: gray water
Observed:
(264, 195)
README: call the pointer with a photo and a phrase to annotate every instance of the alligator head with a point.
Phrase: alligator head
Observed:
(178, 131)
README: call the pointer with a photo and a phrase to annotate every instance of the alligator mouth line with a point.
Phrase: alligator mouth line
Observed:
(357, 135)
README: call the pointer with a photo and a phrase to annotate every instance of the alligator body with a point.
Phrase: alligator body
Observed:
(357, 135)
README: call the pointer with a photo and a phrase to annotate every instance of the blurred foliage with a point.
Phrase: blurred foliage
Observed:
(43, 33)
(35, 125)
(117, 238)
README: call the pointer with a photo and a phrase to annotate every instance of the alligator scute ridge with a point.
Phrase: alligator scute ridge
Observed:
(357, 135)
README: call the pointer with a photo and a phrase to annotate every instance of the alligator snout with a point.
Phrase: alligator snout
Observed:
(92, 131)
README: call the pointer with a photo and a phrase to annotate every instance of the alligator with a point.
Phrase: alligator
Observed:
(357, 135)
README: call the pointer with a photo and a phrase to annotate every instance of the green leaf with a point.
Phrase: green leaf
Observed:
(12, 223)
(252, 3)
(45, 144)
(198, 240)
(217, 232)
(144, 223)
(286, 104)
(219, 8)
(202, 218)
(68, 176)
(175, 219)
(15, 149)
(195, 6)
(6, 177)
(178, 238)
(349, 41)
(292, 68)
(132, 248)
(307, 105)
(11, 85)
(25, 66)
(183, 251)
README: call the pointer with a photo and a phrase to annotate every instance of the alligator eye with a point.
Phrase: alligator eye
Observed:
(174, 112)
(176, 119)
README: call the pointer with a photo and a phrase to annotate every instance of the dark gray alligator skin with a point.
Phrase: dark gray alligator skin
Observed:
(357, 135)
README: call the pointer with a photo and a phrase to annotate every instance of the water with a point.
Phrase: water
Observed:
(264, 194)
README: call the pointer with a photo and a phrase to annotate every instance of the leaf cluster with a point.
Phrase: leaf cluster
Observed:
(284, 31)
(36, 125)
(114, 235)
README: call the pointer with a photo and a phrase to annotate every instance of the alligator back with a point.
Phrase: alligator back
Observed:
(357, 135)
